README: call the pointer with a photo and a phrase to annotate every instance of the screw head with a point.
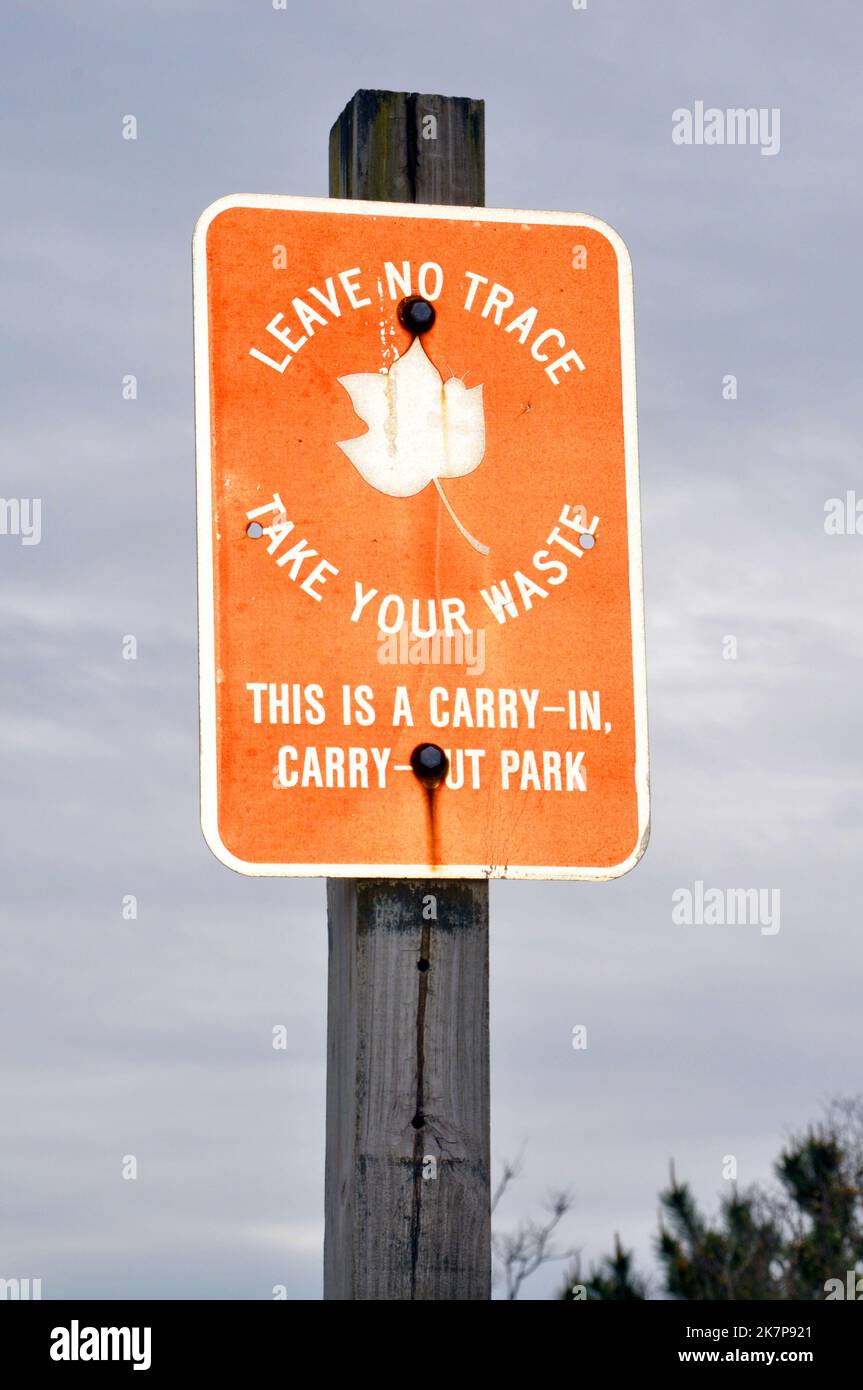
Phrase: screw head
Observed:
(430, 764)
(416, 314)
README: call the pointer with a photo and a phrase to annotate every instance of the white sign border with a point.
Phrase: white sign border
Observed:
(206, 572)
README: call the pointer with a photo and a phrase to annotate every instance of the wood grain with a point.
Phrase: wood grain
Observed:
(407, 1082)
(407, 1165)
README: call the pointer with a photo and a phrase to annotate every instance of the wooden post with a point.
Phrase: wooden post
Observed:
(407, 1164)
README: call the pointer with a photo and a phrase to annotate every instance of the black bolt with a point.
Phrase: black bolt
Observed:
(416, 314)
(430, 764)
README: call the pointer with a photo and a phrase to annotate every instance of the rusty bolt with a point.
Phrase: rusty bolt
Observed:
(416, 314)
(430, 764)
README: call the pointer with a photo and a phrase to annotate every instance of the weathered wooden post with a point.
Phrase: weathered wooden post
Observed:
(407, 1162)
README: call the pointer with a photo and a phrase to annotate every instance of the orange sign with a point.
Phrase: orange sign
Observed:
(415, 537)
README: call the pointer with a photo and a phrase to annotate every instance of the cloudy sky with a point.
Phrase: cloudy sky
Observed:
(153, 1037)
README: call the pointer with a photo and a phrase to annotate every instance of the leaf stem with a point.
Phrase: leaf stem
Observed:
(477, 545)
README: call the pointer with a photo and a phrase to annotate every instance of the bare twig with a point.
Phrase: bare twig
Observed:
(522, 1252)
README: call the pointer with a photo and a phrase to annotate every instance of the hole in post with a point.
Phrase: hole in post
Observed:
(418, 1120)
(423, 964)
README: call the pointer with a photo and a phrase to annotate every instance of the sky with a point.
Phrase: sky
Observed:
(153, 1037)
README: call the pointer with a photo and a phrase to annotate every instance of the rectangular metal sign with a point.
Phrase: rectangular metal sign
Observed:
(418, 523)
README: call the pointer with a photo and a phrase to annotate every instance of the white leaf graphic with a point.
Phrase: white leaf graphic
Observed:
(420, 429)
